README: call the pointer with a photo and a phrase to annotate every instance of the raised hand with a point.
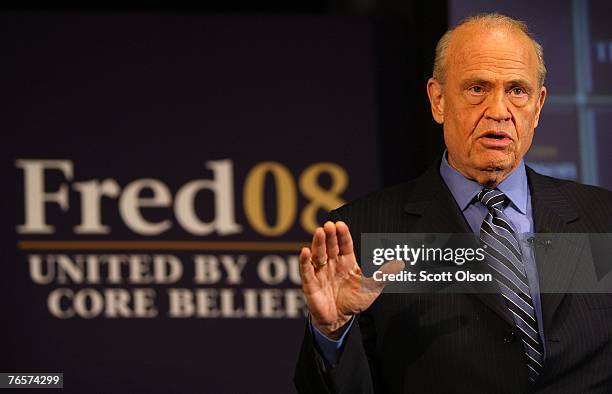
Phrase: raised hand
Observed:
(333, 284)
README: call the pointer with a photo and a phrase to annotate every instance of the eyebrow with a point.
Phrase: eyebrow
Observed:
(479, 81)
(522, 83)
(474, 81)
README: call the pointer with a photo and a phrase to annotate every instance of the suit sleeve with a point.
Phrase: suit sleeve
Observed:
(352, 373)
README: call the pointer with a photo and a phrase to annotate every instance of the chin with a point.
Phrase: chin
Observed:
(496, 161)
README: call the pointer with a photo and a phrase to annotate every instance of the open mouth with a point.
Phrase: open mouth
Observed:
(496, 139)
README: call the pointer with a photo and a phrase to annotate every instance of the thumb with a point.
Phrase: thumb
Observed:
(377, 282)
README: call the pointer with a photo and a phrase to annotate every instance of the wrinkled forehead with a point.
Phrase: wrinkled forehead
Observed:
(498, 49)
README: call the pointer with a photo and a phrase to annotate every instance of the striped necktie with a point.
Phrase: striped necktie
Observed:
(504, 256)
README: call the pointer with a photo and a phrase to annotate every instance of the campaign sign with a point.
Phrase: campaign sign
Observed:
(160, 174)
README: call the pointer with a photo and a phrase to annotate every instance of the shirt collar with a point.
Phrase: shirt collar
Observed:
(463, 190)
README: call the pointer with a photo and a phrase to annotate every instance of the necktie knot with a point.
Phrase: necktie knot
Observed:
(492, 198)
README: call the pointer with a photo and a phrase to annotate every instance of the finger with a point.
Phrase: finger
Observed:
(307, 272)
(376, 286)
(318, 246)
(345, 241)
(331, 240)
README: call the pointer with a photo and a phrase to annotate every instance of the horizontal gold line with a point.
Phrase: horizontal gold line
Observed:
(162, 245)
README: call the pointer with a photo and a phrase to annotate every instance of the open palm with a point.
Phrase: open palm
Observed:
(334, 287)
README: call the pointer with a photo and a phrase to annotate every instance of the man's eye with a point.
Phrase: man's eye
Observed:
(476, 89)
(518, 91)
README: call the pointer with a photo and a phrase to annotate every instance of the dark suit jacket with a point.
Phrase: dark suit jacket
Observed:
(465, 343)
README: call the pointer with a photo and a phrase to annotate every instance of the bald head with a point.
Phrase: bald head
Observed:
(478, 26)
(488, 93)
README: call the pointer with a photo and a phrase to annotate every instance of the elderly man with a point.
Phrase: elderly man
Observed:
(487, 90)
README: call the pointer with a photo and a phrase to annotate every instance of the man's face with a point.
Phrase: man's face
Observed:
(490, 102)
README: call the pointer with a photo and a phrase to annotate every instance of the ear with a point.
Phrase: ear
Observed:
(539, 105)
(434, 92)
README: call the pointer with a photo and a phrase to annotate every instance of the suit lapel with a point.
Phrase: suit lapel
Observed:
(438, 212)
(556, 259)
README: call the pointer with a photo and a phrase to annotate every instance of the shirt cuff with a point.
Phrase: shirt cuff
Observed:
(330, 348)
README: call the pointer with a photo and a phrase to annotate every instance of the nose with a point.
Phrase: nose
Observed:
(498, 107)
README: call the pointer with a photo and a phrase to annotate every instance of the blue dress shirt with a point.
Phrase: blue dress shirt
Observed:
(464, 190)
(519, 211)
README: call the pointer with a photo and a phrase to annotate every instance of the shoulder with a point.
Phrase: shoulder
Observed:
(592, 204)
(386, 210)
(577, 192)
(382, 203)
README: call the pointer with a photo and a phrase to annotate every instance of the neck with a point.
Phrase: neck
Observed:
(489, 177)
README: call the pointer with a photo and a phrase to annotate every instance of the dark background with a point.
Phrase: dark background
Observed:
(403, 34)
